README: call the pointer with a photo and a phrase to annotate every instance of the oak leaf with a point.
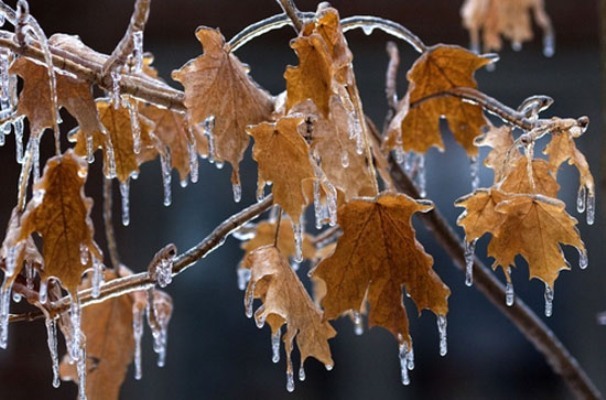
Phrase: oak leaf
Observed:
(35, 99)
(217, 84)
(108, 327)
(562, 148)
(285, 301)
(377, 255)
(60, 213)
(533, 226)
(439, 69)
(117, 142)
(283, 158)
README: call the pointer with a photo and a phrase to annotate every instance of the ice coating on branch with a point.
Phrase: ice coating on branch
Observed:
(165, 162)
(474, 170)
(135, 126)
(583, 260)
(275, 346)
(51, 340)
(243, 278)
(124, 189)
(406, 361)
(590, 209)
(470, 248)
(161, 308)
(114, 94)
(164, 272)
(509, 294)
(548, 300)
(137, 335)
(358, 323)
(298, 232)
(5, 301)
(581, 199)
(97, 277)
(442, 332)
(138, 50)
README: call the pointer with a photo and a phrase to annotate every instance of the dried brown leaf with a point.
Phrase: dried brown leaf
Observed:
(265, 234)
(540, 181)
(562, 148)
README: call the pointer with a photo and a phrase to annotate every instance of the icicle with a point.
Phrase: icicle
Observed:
(516, 45)
(470, 248)
(34, 148)
(344, 159)
(275, 346)
(90, 157)
(548, 300)
(602, 318)
(162, 310)
(583, 261)
(84, 254)
(548, 45)
(421, 175)
(164, 272)
(51, 340)
(509, 294)
(590, 208)
(74, 342)
(406, 362)
(81, 367)
(5, 301)
(11, 257)
(110, 155)
(115, 90)
(409, 160)
(43, 291)
(124, 189)
(30, 274)
(301, 373)
(475, 173)
(138, 50)
(243, 277)
(5, 96)
(137, 335)
(290, 378)
(295, 265)
(17, 297)
(97, 277)
(249, 299)
(358, 323)
(208, 127)
(166, 177)
(331, 203)
(581, 199)
(298, 232)
(442, 331)
(318, 205)
(135, 126)
(260, 317)
(237, 189)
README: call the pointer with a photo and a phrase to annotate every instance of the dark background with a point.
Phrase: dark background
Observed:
(214, 351)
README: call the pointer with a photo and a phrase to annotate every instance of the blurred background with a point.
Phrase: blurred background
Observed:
(214, 351)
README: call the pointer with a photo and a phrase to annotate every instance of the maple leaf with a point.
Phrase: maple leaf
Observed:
(539, 180)
(439, 69)
(533, 226)
(35, 99)
(562, 148)
(217, 84)
(60, 213)
(503, 153)
(285, 301)
(265, 234)
(283, 158)
(377, 255)
(16, 252)
(508, 18)
(117, 141)
(108, 327)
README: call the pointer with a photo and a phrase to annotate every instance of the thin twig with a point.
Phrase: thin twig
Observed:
(531, 326)
(288, 6)
(108, 223)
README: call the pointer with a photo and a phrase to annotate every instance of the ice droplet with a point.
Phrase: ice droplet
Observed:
(298, 233)
(290, 380)
(301, 373)
(474, 169)
(581, 199)
(367, 29)
(5, 301)
(275, 345)
(43, 291)
(260, 317)
(406, 361)
(237, 189)
(137, 335)
(583, 260)
(83, 254)
(358, 323)
(442, 331)
(516, 46)
(124, 189)
(97, 277)
(51, 340)
(243, 277)
(164, 272)
(470, 248)
(165, 162)
(548, 300)
(509, 294)
(17, 297)
(138, 50)
(344, 159)
(548, 45)
(590, 209)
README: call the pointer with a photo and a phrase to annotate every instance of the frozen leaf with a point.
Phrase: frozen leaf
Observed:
(439, 69)
(508, 18)
(283, 158)
(35, 98)
(60, 213)
(108, 327)
(285, 301)
(503, 153)
(539, 180)
(533, 226)
(377, 255)
(217, 84)
(117, 141)
(265, 234)
(562, 148)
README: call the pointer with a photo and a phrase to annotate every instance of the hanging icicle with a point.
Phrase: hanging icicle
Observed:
(275, 346)
(548, 300)
(474, 170)
(509, 294)
(161, 308)
(442, 332)
(406, 361)
(51, 339)
(165, 163)
(137, 335)
(124, 192)
(470, 248)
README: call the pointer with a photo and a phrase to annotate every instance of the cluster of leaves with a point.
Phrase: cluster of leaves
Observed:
(314, 145)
